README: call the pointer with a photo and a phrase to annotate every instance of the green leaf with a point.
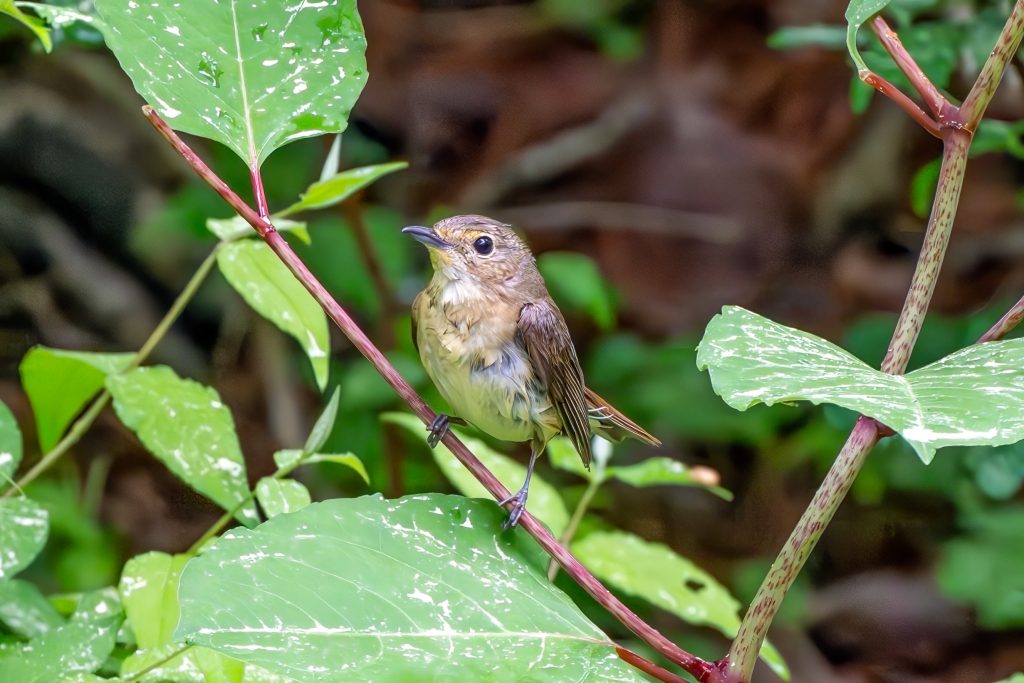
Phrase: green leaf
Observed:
(185, 425)
(59, 383)
(427, 589)
(577, 284)
(236, 228)
(661, 471)
(149, 591)
(858, 12)
(251, 75)
(982, 568)
(922, 188)
(81, 644)
(269, 287)
(23, 528)
(25, 611)
(564, 456)
(31, 23)
(663, 578)
(290, 458)
(341, 186)
(278, 496)
(974, 396)
(75, 24)
(324, 424)
(10, 444)
(544, 501)
(815, 35)
(1015, 678)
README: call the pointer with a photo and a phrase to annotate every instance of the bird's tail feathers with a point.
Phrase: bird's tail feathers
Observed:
(613, 423)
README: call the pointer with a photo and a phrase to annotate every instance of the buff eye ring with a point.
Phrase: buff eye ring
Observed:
(483, 245)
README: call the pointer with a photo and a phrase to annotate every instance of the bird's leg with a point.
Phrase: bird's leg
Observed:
(518, 499)
(439, 427)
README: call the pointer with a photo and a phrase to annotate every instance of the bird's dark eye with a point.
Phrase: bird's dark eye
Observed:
(483, 245)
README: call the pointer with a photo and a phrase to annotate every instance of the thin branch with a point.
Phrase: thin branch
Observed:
(574, 522)
(902, 101)
(141, 673)
(1005, 324)
(647, 666)
(696, 666)
(933, 99)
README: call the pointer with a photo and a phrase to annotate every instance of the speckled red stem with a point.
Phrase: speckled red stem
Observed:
(956, 127)
(695, 666)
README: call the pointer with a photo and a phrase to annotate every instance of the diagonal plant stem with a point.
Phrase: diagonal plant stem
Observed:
(908, 105)
(83, 423)
(984, 87)
(574, 522)
(1005, 325)
(939, 106)
(697, 667)
(957, 129)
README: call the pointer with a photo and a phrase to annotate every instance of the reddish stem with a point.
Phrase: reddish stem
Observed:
(1005, 324)
(902, 101)
(647, 666)
(935, 101)
(694, 665)
(256, 178)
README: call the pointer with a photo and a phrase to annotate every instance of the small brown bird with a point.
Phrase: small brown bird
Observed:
(497, 348)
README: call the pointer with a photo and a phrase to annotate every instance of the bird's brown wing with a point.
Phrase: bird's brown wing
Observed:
(545, 337)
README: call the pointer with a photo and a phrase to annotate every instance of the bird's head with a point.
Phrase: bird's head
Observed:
(477, 247)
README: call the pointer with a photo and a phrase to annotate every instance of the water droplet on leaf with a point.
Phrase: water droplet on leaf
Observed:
(208, 70)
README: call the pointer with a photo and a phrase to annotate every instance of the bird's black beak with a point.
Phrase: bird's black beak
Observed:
(426, 236)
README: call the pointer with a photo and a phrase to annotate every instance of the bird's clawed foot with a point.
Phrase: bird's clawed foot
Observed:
(439, 427)
(518, 500)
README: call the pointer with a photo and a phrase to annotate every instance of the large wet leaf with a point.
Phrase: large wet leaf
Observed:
(10, 445)
(543, 502)
(185, 425)
(59, 383)
(974, 397)
(653, 572)
(81, 644)
(252, 75)
(23, 528)
(25, 611)
(270, 288)
(420, 588)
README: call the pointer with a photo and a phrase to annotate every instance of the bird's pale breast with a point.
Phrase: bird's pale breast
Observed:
(469, 350)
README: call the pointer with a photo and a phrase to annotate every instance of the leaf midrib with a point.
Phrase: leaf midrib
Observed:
(243, 88)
